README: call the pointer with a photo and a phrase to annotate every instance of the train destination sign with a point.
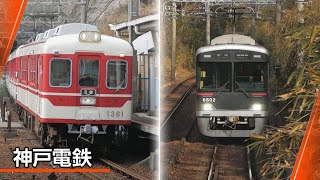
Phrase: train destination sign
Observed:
(88, 92)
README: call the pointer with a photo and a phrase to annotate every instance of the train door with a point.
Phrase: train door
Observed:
(39, 82)
(24, 80)
(88, 86)
(18, 91)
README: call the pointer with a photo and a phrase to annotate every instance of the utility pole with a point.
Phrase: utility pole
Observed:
(300, 4)
(278, 11)
(174, 43)
(234, 20)
(84, 11)
(208, 24)
(254, 15)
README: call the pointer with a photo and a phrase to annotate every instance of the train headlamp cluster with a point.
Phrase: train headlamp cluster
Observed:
(87, 100)
(208, 107)
(256, 107)
(90, 36)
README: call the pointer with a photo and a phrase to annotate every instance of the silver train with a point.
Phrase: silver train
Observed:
(232, 87)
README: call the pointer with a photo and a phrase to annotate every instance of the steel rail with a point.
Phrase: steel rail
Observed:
(191, 128)
(249, 164)
(213, 171)
(176, 87)
(92, 176)
(176, 107)
(122, 170)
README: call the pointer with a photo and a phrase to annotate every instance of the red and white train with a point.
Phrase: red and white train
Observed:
(73, 80)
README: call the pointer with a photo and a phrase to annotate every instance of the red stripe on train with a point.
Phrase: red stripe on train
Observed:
(205, 93)
(259, 94)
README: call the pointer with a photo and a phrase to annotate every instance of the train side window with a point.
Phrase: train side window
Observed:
(20, 68)
(60, 73)
(24, 70)
(117, 74)
(32, 71)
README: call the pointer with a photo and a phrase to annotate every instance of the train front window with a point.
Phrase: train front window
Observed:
(251, 77)
(60, 73)
(214, 76)
(88, 72)
(116, 74)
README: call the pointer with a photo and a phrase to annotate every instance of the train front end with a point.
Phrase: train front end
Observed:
(232, 90)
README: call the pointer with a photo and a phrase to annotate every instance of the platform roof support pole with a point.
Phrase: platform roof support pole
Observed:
(133, 11)
(208, 19)
(174, 43)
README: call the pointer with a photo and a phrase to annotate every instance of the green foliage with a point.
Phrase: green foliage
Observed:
(190, 37)
(294, 46)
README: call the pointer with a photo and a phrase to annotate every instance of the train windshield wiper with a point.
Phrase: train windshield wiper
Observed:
(241, 89)
(120, 85)
(222, 87)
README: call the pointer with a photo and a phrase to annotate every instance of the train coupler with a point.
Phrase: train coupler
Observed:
(87, 129)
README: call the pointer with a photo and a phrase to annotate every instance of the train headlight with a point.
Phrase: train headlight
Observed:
(256, 107)
(89, 36)
(88, 101)
(208, 107)
(83, 36)
(96, 37)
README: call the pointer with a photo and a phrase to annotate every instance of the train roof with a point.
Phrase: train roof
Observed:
(233, 42)
(48, 34)
(67, 42)
(39, 37)
(233, 39)
(233, 47)
(73, 28)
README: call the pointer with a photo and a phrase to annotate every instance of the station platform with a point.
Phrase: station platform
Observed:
(14, 125)
(145, 123)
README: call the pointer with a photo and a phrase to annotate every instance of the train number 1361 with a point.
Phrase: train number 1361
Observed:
(114, 113)
(208, 99)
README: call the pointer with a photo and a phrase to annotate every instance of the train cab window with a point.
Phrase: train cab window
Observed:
(251, 77)
(88, 72)
(116, 74)
(214, 76)
(60, 73)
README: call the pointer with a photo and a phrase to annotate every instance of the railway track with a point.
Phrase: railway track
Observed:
(92, 176)
(190, 161)
(176, 87)
(119, 170)
(211, 162)
(122, 170)
(175, 97)
(230, 163)
(215, 159)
